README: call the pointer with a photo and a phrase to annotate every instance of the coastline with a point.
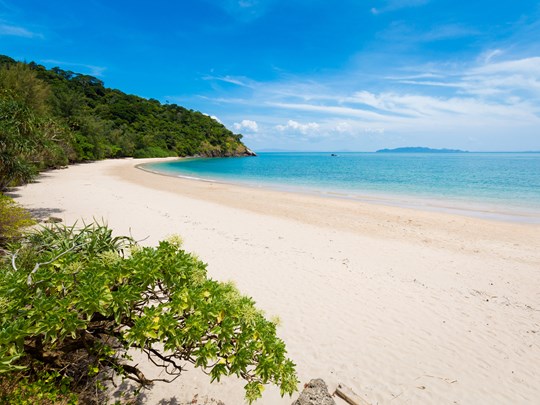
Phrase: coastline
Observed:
(504, 211)
(384, 299)
(383, 220)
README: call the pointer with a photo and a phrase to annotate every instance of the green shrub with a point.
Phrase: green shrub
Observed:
(73, 301)
(13, 220)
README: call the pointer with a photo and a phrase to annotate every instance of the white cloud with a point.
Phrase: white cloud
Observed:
(329, 110)
(246, 125)
(489, 80)
(498, 80)
(427, 75)
(529, 66)
(296, 126)
(12, 30)
(343, 127)
(425, 107)
(239, 81)
(494, 101)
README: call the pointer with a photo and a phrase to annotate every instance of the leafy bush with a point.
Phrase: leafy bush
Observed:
(13, 220)
(73, 301)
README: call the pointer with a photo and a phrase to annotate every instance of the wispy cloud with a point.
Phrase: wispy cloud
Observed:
(17, 31)
(487, 78)
(92, 70)
(487, 56)
(409, 34)
(486, 97)
(528, 66)
(333, 110)
(239, 81)
(394, 5)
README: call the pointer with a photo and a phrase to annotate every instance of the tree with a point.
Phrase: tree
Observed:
(30, 140)
(19, 141)
(25, 87)
(74, 301)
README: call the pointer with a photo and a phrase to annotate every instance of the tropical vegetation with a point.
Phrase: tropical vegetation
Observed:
(52, 117)
(75, 302)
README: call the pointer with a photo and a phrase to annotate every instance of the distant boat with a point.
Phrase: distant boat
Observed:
(333, 154)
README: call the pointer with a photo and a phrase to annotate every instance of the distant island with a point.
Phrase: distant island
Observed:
(419, 149)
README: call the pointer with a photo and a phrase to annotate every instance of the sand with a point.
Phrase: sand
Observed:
(401, 305)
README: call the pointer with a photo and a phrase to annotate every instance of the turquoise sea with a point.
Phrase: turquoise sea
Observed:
(499, 185)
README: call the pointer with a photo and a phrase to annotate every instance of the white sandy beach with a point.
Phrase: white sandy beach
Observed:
(403, 306)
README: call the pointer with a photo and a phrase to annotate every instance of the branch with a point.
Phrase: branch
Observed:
(165, 359)
(133, 373)
(36, 267)
(13, 257)
(137, 375)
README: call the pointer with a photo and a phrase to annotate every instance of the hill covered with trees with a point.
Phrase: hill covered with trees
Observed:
(53, 117)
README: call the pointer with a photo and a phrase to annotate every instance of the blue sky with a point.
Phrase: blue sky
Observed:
(309, 74)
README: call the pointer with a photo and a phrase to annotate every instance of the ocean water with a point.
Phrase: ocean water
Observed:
(498, 185)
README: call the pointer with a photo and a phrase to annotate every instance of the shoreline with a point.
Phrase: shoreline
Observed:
(348, 215)
(475, 209)
(382, 299)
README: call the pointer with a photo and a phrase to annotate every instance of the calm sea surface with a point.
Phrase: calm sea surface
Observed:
(500, 185)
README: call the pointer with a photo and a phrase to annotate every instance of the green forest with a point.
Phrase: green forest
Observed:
(52, 117)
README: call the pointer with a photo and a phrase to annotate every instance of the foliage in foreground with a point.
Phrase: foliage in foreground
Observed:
(73, 301)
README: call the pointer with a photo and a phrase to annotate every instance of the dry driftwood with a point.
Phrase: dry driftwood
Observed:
(349, 396)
